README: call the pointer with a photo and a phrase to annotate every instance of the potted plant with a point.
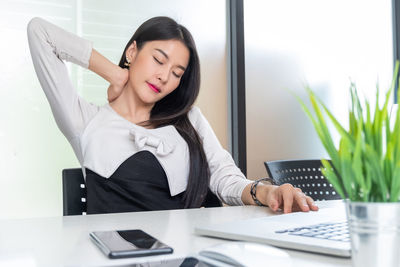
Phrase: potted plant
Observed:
(365, 171)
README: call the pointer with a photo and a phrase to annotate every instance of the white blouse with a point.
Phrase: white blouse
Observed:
(102, 140)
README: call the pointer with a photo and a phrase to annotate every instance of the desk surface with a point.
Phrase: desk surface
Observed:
(64, 241)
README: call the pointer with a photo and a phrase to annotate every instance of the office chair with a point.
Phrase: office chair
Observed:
(304, 174)
(211, 200)
(74, 193)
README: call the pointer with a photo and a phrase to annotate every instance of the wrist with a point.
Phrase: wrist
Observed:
(120, 77)
(115, 75)
(259, 191)
(103, 67)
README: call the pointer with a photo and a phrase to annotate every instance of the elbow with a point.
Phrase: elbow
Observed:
(34, 26)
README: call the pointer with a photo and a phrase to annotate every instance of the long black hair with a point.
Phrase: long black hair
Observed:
(173, 109)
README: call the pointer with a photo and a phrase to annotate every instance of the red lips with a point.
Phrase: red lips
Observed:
(154, 88)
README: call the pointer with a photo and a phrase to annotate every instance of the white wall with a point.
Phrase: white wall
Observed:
(32, 150)
(323, 43)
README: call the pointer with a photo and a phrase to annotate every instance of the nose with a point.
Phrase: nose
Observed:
(163, 75)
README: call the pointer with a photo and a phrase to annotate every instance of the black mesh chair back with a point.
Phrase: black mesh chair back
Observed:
(304, 174)
(74, 192)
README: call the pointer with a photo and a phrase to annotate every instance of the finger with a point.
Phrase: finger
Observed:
(287, 196)
(301, 201)
(273, 199)
(275, 203)
(311, 204)
(296, 206)
(109, 98)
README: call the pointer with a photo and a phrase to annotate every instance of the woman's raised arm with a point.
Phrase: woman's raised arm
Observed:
(115, 75)
(49, 46)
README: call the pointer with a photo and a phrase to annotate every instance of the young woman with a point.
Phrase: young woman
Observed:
(149, 148)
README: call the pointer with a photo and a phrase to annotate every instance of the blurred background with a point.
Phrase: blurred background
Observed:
(323, 44)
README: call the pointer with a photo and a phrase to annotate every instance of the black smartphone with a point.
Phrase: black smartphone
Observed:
(170, 262)
(128, 243)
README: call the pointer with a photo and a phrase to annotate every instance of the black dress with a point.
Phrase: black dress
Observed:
(139, 184)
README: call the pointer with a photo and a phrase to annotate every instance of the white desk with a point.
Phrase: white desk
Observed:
(64, 241)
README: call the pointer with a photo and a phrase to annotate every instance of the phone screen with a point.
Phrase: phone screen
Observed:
(129, 243)
(140, 239)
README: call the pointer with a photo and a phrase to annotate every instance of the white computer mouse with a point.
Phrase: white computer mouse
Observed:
(245, 254)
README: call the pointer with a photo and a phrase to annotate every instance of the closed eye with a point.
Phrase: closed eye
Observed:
(176, 75)
(158, 61)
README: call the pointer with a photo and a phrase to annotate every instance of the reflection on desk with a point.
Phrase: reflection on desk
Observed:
(64, 241)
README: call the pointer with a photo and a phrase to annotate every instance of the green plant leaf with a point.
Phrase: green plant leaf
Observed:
(330, 174)
(377, 175)
(368, 124)
(328, 143)
(395, 186)
(357, 165)
(366, 165)
(338, 126)
(320, 127)
(346, 169)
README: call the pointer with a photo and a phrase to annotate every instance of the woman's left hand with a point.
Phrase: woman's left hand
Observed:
(288, 198)
(117, 84)
(284, 197)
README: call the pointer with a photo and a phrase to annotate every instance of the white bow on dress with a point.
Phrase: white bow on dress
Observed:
(141, 140)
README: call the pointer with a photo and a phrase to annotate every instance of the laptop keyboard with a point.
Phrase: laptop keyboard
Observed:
(337, 231)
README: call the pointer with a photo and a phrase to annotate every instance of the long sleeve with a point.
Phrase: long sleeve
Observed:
(226, 181)
(49, 46)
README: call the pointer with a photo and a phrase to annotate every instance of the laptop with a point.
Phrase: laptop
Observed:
(324, 231)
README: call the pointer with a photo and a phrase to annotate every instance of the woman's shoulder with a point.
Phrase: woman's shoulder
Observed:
(194, 109)
(195, 115)
(198, 120)
(194, 112)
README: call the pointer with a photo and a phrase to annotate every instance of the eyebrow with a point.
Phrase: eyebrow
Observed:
(165, 55)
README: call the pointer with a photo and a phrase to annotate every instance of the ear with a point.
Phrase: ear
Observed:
(131, 52)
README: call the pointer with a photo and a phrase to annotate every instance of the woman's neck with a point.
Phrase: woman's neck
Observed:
(130, 107)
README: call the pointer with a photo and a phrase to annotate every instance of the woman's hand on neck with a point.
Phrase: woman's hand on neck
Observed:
(121, 96)
(117, 83)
